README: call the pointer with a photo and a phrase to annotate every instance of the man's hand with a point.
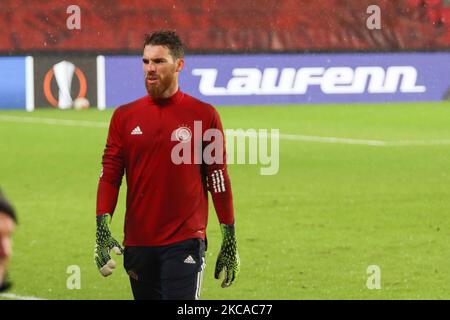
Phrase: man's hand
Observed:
(228, 259)
(103, 245)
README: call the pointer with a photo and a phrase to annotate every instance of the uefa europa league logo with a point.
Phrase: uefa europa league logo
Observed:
(64, 71)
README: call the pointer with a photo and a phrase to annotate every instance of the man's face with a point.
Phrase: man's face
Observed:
(7, 225)
(161, 71)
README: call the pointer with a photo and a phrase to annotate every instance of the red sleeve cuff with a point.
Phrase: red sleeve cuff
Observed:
(107, 195)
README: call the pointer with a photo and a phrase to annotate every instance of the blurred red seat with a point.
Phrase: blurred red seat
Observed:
(434, 15)
(433, 3)
(445, 16)
(240, 25)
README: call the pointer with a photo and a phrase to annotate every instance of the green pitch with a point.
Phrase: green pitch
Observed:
(308, 232)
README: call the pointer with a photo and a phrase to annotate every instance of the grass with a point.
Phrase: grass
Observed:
(308, 232)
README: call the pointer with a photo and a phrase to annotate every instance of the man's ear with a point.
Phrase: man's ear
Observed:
(180, 64)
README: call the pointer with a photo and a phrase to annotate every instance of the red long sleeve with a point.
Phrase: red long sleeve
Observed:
(107, 195)
(112, 171)
(218, 181)
(219, 186)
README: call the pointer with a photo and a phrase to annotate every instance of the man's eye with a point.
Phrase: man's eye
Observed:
(145, 61)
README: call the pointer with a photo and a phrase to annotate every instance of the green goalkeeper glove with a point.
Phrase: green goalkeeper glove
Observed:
(103, 245)
(228, 259)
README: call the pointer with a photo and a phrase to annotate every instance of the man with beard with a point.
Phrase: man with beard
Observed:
(153, 141)
(7, 224)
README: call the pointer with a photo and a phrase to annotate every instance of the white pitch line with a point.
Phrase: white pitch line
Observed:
(59, 122)
(17, 297)
(292, 137)
(377, 143)
(418, 143)
(297, 137)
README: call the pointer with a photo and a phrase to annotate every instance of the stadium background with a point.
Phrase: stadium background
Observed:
(363, 174)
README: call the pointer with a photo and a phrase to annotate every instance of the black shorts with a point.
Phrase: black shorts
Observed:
(172, 272)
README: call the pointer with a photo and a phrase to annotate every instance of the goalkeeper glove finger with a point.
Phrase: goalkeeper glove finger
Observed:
(228, 259)
(104, 244)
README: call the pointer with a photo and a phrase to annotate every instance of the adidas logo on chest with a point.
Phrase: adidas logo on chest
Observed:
(136, 131)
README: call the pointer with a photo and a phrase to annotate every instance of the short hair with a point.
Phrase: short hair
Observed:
(6, 207)
(168, 39)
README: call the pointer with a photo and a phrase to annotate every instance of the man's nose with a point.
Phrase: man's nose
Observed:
(151, 67)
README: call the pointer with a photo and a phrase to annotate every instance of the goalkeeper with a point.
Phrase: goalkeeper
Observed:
(167, 202)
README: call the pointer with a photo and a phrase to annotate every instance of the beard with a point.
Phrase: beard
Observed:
(157, 89)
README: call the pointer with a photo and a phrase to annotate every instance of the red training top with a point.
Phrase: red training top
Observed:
(167, 201)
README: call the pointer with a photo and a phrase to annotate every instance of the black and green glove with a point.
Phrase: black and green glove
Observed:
(103, 244)
(228, 259)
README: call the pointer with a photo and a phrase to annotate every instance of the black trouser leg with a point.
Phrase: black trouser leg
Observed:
(144, 290)
(172, 272)
(182, 270)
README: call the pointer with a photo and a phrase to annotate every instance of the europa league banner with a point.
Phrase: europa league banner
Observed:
(59, 80)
